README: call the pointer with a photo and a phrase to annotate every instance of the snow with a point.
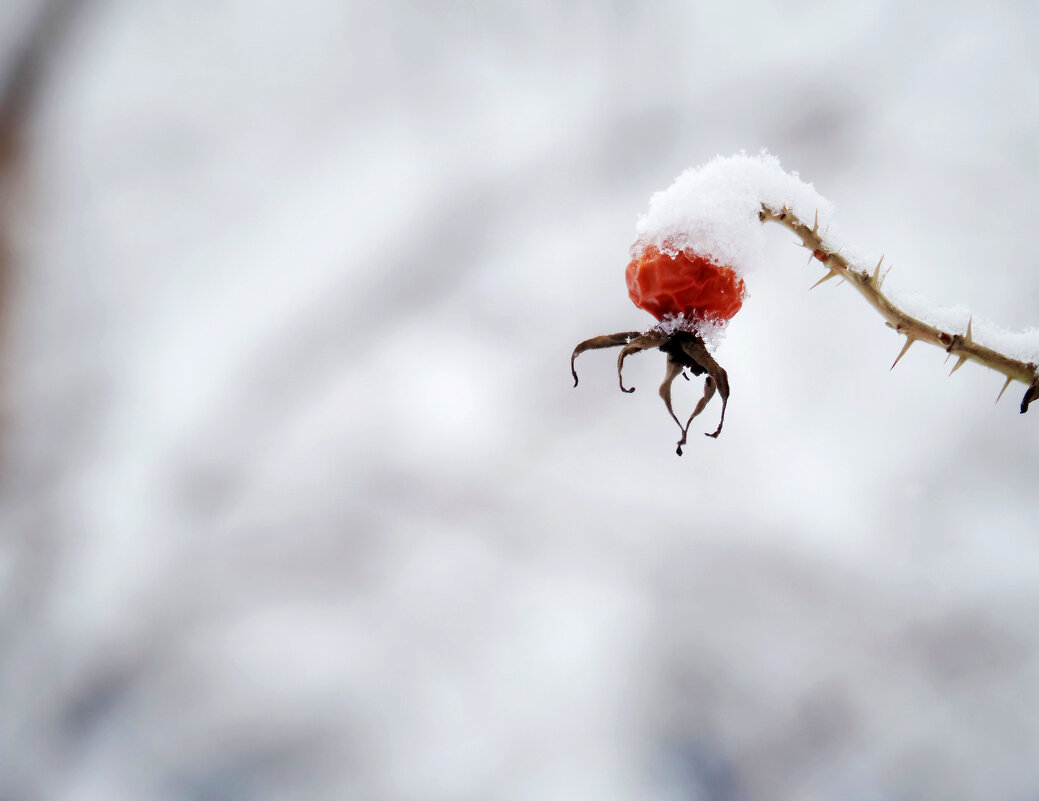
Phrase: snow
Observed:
(711, 331)
(713, 209)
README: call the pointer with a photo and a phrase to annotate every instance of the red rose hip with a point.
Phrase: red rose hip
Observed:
(686, 283)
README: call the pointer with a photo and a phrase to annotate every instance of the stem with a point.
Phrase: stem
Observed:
(869, 286)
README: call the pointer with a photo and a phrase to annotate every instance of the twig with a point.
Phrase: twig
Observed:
(869, 286)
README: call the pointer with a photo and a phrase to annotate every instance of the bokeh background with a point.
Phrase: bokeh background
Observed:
(298, 500)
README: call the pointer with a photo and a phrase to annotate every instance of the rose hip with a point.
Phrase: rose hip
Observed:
(686, 283)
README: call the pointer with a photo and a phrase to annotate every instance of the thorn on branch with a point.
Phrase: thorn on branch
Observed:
(877, 280)
(1000, 395)
(901, 353)
(827, 277)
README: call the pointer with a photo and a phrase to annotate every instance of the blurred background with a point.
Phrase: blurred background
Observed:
(298, 500)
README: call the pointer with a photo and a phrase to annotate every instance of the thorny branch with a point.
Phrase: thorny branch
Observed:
(869, 286)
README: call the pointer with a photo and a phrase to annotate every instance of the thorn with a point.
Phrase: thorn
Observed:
(826, 277)
(815, 225)
(901, 353)
(958, 364)
(1000, 395)
(967, 337)
(876, 273)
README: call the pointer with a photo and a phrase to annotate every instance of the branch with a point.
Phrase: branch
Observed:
(869, 286)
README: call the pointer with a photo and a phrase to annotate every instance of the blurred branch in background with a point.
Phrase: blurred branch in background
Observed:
(22, 75)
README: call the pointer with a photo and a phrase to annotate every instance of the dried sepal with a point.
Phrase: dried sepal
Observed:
(605, 341)
(651, 339)
(674, 369)
(1030, 395)
(697, 351)
(685, 351)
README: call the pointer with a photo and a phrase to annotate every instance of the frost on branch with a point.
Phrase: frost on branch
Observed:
(703, 235)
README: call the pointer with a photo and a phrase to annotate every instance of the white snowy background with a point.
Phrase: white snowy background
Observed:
(298, 501)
